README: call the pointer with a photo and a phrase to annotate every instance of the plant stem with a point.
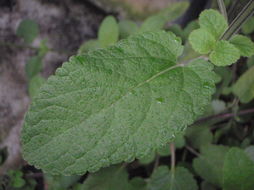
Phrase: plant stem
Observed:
(236, 24)
(224, 115)
(192, 150)
(173, 157)
(222, 9)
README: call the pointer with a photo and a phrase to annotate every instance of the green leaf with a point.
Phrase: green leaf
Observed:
(224, 54)
(210, 164)
(137, 183)
(212, 21)
(158, 21)
(250, 152)
(238, 171)
(244, 44)
(89, 46)
(34, 85)
(198, 135)
(28, 29)
(164, 179)
(248, 26)
(189, 28)
(202, 41)
(218, 106)
(244, 86)
(108, 32)
(127, 28)
(59, 182)
(112, 178)
(207, 186)
(115, 104)
(33, 66)
(16, 179)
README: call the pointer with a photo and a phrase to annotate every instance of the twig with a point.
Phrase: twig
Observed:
(173, 157)
(222, 8)
(192, 150)
(156, 163)
(224, 115)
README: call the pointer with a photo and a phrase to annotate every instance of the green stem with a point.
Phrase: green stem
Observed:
(237, 23)
(222, 8)
(173, 157)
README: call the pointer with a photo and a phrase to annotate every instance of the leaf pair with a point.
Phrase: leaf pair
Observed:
(206, 40)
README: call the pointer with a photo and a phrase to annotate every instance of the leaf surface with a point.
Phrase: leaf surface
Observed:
(224, 54)
(212, 21)
(115, 104)
(244, 86)
(202, 41)
(210, 164)
(164, 179)
(28, 30)
(158, 21)
(238, 171)
(108, 32)
(244, 44)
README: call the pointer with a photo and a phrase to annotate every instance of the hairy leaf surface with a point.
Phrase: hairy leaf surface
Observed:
(164, 179)
(238, 171)
(115, 104)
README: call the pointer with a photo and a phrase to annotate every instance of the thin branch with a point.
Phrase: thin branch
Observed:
(222, 8)
(192, 150)
(156, 163)
(173, 157)
(224, 115)
(235, 26)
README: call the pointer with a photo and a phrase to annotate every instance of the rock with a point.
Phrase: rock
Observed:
(133, 8)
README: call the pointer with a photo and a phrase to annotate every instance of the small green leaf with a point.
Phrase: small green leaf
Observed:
(115, 104)
(218, 106)
(244, 44)
(34, 85)
(158, 21)
(33, 66)
(248, 26)
(198, 135)
(193, 25)
(202, 41)
(224, 54)
(89, 46)
(137, 183)
(127, 28)
(244, 86)
(108, 32)
(238, 171)
(210, 164)
(112, 178)
(59, 182)
(16, 179)
(212, 21)
(207, 186)
(164, 179)
(28, 29)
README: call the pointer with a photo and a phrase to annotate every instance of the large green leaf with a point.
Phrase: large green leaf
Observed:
(238, 171)
(210, 164)
(115, 104)
(164, 179)
(244, 86)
